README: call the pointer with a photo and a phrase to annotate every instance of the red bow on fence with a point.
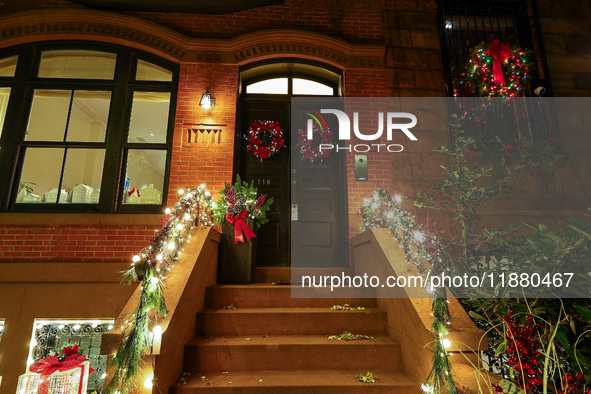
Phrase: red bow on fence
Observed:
(240, 226)
(499, 52)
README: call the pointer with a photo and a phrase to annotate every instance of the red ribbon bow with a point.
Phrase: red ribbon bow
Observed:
(240, 226)
(499, 52)
(47, 366)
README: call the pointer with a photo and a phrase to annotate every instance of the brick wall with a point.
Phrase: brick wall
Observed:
(72, 243)
(352, 20)
(363, 83)
(204, 163)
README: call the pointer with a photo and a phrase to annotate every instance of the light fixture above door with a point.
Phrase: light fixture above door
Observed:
(207, 101)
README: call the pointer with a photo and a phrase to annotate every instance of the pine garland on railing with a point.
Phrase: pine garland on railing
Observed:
(150, 267)
(424, 248)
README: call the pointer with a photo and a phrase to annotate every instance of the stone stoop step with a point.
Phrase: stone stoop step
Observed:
(299, 382)
(275, 344)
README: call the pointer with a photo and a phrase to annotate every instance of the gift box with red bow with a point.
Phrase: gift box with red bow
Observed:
(51, 375)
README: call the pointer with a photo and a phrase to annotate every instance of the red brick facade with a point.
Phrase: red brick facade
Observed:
(204, 163)
(72, 243)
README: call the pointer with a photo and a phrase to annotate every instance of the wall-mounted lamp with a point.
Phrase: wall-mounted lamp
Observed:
(207, 101)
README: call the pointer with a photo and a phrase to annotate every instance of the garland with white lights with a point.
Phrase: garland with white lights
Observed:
(149, 267)
(497, 70)
(269, 129)
(424, 248)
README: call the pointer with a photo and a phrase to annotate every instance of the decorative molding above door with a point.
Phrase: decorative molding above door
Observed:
(89, 25)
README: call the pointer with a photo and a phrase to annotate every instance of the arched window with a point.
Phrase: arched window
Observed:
(297, 86)
(85, 127)
(290, 79)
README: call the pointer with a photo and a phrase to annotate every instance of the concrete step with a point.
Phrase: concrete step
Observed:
(289, 321)
(298, 382)
(271, 274)
(273, 296)
(284, 353)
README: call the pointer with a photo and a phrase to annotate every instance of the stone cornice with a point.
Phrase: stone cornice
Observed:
(90, 25)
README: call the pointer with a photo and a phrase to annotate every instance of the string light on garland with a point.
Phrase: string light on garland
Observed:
(498, 70)
(147, 267)
(424, 248)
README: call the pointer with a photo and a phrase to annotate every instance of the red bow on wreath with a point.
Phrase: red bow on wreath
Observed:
(499, 52)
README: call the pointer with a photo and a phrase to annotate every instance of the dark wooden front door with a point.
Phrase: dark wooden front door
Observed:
(270, 176)
(318, 236)
(319, 189)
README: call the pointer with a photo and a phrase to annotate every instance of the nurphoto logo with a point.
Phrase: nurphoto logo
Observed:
(392, 120)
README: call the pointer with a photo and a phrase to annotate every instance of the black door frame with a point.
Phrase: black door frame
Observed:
(239, 166)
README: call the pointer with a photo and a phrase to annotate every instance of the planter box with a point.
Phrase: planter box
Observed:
(237, 260)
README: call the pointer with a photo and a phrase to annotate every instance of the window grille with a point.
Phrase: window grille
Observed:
(466, 24)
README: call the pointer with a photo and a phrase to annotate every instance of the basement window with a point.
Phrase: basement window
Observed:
(51, 335)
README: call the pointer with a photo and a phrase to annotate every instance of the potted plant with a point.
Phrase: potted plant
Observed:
(240, 211)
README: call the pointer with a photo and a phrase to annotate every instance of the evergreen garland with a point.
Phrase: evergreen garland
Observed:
(149, 267)
(423, 247)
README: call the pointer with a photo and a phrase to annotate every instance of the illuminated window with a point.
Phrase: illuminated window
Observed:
(300, 86)
(311, 88)
(75, 147)
(269, 86)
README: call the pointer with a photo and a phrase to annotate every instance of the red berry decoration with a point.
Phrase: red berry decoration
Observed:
(525, 358)
(269, 130)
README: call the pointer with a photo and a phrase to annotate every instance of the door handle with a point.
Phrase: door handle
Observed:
(294, 212)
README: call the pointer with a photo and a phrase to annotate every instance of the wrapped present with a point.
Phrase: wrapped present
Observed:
(50, 376)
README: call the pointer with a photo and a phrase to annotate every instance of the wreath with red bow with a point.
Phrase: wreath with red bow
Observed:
(312, 151)
(498, 70)
(266, 138)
